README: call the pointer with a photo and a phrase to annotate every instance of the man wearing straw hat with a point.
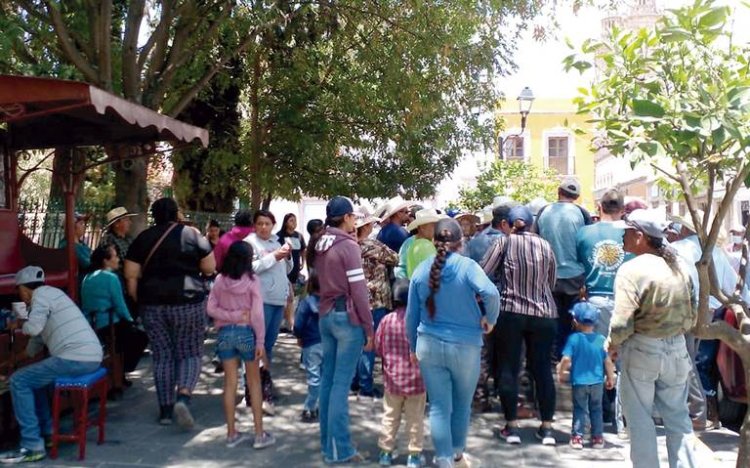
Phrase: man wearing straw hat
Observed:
(117, 232)
(422, 247)
(395, 215)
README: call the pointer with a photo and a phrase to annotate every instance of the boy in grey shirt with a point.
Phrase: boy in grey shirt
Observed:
(56, 321)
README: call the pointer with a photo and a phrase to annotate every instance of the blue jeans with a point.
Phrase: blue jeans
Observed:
(655, 374)
(273, 314)
(312, 358)
(367, 361)
(450, 372)
(342, 346)
(29, 389)
(587, 403)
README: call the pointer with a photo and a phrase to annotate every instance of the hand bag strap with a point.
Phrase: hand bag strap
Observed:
(158, 243)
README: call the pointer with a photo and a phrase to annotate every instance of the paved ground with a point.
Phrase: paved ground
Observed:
(134, 438)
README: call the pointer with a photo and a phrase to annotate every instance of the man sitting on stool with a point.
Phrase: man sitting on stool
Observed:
(56, 322)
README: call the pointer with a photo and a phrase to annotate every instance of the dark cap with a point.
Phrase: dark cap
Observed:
(612, 200)
(521, 213)
(339, 206)
(448, 230)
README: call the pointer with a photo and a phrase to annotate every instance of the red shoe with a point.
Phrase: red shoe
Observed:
(576, 442)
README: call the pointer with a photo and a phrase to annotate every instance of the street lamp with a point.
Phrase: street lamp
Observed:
(525, 100)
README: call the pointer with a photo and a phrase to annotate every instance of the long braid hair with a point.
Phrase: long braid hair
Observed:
(435, 273)
(664, 251)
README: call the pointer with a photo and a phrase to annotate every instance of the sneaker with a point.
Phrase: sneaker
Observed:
(415, 460)
(597, 442)
(623, 434)
(183, 416)
(466, 461)
(385, 458)
(236, 439)
(264, 440)
(545, 435)
(508, 434)
(22, 455)
(268, 408)
(576, 442)
(309, 416)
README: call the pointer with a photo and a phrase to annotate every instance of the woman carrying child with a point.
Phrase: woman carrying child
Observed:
(236, 305)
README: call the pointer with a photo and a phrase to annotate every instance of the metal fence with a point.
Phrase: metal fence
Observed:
(44, 222)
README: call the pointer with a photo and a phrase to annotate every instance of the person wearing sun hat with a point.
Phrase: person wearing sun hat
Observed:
(422, 247)
(346, 326)
(654, 307)
(377, 258)
(469, 223)
(395, 214)
(117, 232)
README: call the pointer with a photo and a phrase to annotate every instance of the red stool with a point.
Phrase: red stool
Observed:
(80, 388)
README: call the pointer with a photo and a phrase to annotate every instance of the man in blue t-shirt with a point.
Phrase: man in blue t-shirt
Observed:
(599, 250)
(558, 224)
(481, 243)
(395, 215)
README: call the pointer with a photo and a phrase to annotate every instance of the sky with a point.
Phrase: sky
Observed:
(540, 63)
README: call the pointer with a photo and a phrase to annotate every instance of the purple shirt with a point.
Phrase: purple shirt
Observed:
(339, 265)
(237, 233)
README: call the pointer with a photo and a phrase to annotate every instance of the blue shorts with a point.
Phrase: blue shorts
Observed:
(236, 341)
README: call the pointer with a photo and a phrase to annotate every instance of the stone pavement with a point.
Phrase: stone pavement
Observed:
(134, 439)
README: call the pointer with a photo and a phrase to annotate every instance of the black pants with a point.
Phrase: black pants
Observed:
(129, 340)
(539, 335)
(563, 302)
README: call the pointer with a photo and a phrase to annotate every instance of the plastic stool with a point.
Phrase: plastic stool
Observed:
(80, 388)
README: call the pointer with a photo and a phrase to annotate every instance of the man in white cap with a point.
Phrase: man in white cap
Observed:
(558, 224)
(118, 232)
(654, 307)
(56, 322)
(395, 215)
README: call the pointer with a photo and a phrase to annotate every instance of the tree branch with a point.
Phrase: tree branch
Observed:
(66, 43)
(104, 26)
(721, 330)
(130, 68)
(161, 39)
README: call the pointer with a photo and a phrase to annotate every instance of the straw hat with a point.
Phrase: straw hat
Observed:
(473, 218)
(115, 214)
(391, 207)
(364, 217)
(426, 216)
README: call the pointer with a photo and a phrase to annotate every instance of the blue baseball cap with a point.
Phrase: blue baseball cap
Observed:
(585, 313)
(339, 206)
(521, 213)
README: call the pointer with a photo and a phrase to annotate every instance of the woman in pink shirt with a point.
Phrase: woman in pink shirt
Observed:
(236, 305)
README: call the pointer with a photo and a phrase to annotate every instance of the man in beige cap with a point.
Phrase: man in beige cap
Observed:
(117, 232)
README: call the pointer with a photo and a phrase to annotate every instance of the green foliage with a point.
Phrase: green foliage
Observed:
(679, 92)
(519, 180)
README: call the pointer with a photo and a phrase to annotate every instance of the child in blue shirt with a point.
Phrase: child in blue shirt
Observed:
(308, 337)
(585, 356)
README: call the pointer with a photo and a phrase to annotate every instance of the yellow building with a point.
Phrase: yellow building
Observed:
(550, 140)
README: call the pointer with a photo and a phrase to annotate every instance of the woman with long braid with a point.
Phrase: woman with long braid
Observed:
(444, 325)
(654, 307)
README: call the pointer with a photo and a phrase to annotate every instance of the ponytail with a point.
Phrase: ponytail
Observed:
(664, 251)
(435, 273)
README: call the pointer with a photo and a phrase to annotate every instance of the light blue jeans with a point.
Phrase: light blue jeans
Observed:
(29, 390)
(450, 372)
(655, 374)
(312, 358)
(367, 361)
(273, 314)
(342, 346)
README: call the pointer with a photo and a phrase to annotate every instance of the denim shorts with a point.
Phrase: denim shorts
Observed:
(236, 341)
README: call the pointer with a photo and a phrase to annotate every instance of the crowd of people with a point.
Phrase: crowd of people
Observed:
(458, 306)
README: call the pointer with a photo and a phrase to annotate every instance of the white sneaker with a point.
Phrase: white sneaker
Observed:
(183, 416)
(467, 461)
(266, 439)
(236, 439)
(268, 408)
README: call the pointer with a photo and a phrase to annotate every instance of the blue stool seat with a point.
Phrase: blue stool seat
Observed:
(84, 380)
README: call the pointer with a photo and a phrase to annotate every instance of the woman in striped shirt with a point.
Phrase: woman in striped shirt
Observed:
(524, 269)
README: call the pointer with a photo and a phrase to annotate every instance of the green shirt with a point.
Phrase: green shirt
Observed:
(651, 299)
(420, 250)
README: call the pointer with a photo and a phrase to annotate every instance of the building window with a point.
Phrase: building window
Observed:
(513, 149)
(557, 154)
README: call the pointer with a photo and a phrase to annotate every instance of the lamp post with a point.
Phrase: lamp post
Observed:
(525, 100)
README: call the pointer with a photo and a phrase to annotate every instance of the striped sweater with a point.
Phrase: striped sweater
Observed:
(530, 273)
(55, 321)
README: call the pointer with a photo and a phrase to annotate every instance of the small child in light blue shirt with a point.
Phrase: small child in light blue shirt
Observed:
(585, 356)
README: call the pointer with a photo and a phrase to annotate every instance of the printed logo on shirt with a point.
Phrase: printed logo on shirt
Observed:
(607, 255)
(325, 242)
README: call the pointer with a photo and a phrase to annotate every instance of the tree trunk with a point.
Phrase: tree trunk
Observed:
(256, 195)
(743, 457)
(267, 201)
(131, 190)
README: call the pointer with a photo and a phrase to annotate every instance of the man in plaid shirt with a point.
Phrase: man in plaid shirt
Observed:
(404, 389)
